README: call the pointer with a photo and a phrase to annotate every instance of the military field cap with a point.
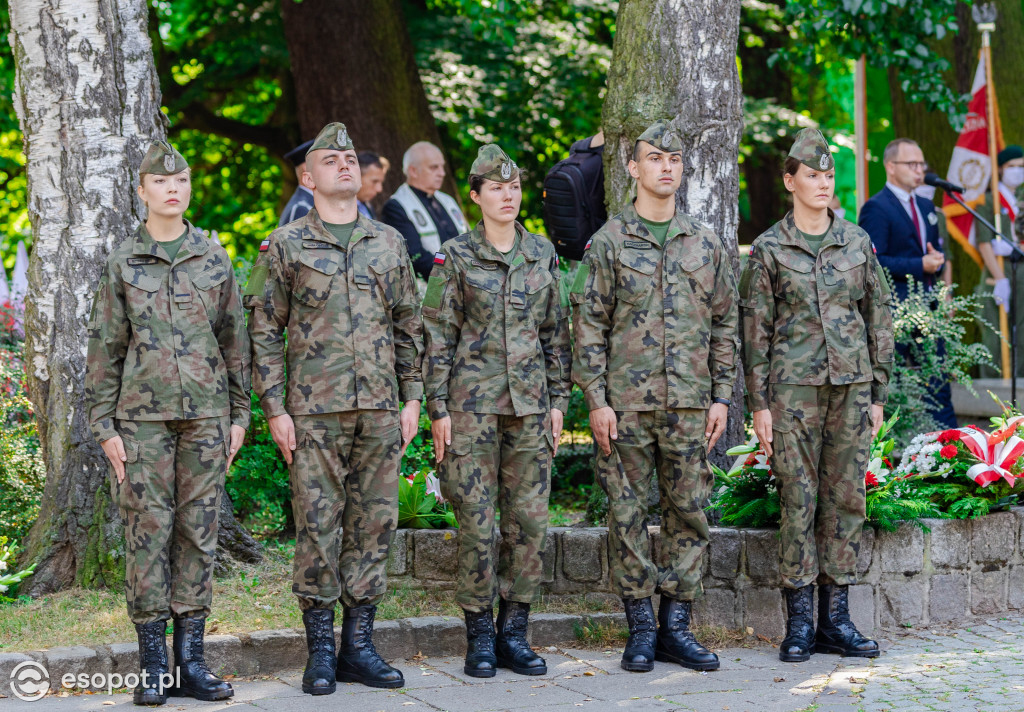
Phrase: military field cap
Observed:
(297, 156)
(662, 136)
(333, 137)
(163, 160)
(811, 149)
(494, 164)
(1009, 153)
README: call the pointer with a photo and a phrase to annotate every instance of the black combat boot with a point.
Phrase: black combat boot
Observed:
(358, 660)
(639, 653)
(318, 677)
(511, 648)
(798, 644)
(836, 632)
(676, 643)
(193, 676)
(480, 657)
(153, 663)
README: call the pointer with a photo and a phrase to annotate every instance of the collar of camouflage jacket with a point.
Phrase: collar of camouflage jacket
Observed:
(364, 228)
(529, 249)
(633, 226)
(790, 235)
(195, 244)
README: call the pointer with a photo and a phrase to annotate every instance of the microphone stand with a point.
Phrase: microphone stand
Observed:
(1016, 256)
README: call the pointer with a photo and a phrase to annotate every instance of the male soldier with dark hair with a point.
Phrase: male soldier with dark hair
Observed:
(655, 355)
(167, 381)
(342, 286)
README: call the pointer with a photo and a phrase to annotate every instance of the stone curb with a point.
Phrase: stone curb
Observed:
(269, 651)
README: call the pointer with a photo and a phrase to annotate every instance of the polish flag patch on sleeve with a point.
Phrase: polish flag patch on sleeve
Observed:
(589, 242)
(438, 258)
(265, 245)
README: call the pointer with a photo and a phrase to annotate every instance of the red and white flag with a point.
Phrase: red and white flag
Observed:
(971, 165)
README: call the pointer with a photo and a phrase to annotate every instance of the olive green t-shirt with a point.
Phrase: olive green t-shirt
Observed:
(342, 231)
(510, 256)
(814, 241)
(658, 229)
(171, 247)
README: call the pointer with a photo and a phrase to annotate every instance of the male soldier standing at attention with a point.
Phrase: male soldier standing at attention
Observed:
(655, 355)
(342, 286)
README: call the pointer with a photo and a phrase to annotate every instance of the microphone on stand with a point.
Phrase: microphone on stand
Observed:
(932, 179)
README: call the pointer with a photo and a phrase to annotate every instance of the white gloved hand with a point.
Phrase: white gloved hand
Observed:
(1001, 247)
(1001, 293)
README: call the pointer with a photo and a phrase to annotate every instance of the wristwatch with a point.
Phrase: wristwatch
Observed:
(723, 401)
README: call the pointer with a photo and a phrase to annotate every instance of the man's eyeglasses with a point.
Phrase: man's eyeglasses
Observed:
(914, 165)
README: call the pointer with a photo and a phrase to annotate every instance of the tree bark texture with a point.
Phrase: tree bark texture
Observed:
(676, 59)
(352, 61)
(88, 101)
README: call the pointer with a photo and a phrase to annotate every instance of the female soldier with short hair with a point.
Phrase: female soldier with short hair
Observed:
(167, 381)
(818, 349)
(496, 375)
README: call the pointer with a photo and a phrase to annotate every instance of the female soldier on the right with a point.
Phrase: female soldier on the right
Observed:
(817, 349)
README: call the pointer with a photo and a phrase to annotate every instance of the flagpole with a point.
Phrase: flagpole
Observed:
(987, 13)
(860, 123)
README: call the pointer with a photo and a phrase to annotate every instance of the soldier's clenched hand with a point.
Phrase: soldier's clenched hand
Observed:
(237, 438)
(718, 413)
(282, 429)
(763, 429)
(603, 425)
(557, 418)
(441, 430)
(114, 450)
(409, 419)
(877, 418)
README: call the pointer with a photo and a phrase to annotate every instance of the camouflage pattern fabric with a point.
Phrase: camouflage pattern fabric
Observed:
(655, 327)
(662, 136)
(497, 336)
(494, 164)
(344, 478)
(811, 149)
(822, 436)
(167, 341)
(169, 502)
(498, 462)
(669, 443)
(815, 320)
(162, 159)
(352, 315)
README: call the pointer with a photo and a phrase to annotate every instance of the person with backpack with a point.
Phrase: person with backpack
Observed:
(574, 197)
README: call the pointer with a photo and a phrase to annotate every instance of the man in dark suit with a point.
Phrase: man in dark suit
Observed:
(904, 229)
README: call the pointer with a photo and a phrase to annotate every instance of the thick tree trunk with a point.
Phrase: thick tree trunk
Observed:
(677, 60)
(88, 101)
(352, 61)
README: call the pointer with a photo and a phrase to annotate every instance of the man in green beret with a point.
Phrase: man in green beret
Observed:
(655, 319)
(342, 397)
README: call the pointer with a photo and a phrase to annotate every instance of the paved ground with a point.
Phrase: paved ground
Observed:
(977, 668)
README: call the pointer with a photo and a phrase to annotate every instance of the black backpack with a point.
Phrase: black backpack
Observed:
(574, 199)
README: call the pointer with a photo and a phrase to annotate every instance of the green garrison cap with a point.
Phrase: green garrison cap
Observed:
(334, 137)
(494, 164)
(1009, 153)
(163, 160)
(662, 136)
(811, 149)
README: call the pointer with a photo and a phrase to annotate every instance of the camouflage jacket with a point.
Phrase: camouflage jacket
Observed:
(167, 340)
(497, 336)
(352, 313)
(814, 320)
(655, 327)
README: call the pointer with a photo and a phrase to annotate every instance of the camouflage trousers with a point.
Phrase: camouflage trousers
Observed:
(170, 502)
(821, 443)
(344, 478)
(668, 444)
(505, 461)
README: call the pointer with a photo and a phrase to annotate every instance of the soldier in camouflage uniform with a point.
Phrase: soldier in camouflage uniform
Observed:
(655, 354)
(341, 284)
(817, 348)
(167, 382)
(496, 375)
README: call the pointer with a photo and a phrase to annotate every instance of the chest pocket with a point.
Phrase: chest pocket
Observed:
(141, 290)
(846, 274)
(480, 291)
(384, 269)
(538, 283)
(635, 277)
(695, 268)
(207, 283)
(316, 272)
(796, 281)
